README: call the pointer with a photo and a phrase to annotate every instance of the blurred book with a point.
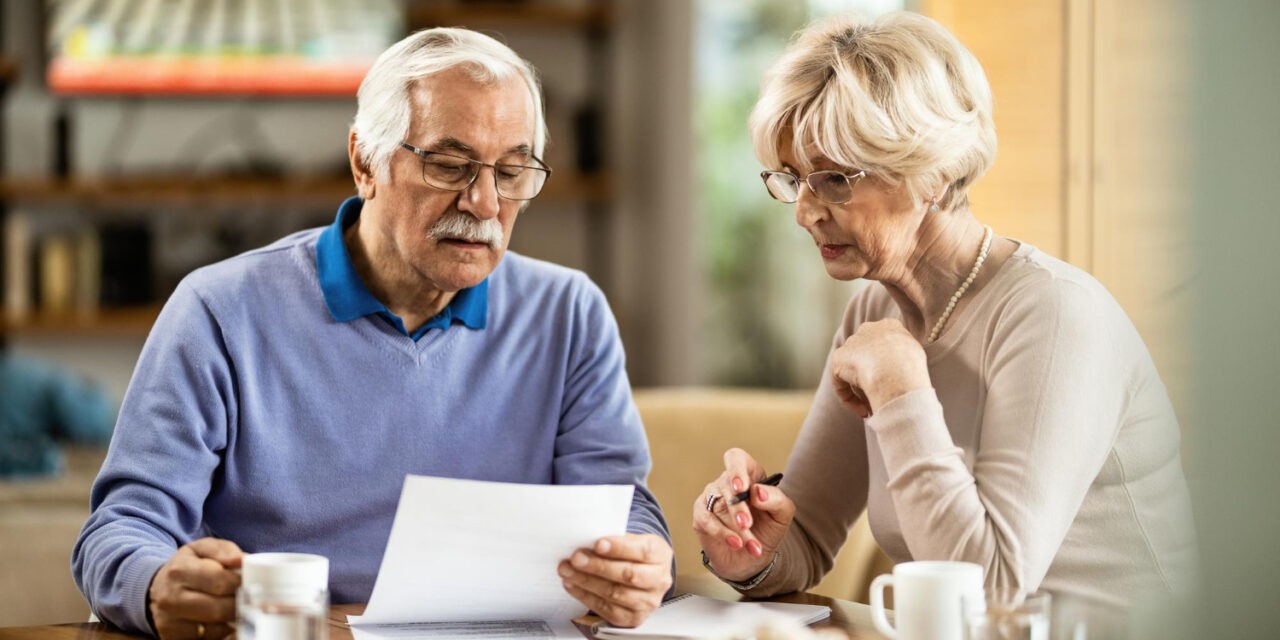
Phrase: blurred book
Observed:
(57, 274)
(126, 265)
(18, 299)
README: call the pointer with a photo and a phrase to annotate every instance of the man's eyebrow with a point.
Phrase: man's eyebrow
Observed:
(452, 144)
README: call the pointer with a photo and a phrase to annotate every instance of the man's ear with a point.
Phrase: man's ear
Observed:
(365, 184)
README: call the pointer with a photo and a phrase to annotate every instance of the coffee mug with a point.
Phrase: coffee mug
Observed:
(283, 596)
(927, 599)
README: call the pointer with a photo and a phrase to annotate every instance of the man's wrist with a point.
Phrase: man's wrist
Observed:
(749, 583)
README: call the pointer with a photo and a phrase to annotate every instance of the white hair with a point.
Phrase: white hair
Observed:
(898, 96)
(383, 105)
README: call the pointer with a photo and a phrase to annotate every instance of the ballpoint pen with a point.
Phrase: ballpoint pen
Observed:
(772, 481)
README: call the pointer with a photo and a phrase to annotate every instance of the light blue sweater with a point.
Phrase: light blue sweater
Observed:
(256, 415)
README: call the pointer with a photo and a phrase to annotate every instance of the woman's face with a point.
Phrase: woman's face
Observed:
(873, 235)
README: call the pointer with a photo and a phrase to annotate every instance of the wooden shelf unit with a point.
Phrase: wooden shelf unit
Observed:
(591, 15)
(103, 322)
(179, 194)
(187, 191)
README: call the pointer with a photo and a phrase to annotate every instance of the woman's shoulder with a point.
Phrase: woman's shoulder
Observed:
(1034, 288)
(1033, 277)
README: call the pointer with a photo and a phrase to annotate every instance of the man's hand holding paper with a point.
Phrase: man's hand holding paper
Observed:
(622, 578)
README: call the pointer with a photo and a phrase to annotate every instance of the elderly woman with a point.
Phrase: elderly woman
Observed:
(982, 400)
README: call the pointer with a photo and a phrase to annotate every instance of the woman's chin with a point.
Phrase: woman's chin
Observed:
(844, 271)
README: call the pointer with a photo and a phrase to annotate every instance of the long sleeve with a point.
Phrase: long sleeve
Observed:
(1054, 400)
(826, 477)
(149, 496)
(601, 439)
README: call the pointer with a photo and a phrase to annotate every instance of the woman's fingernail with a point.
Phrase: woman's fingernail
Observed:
(734, 542)
(565, 571)
(603, 546)
(737, 484)
(755, 549)
(579, 560)
(761, 493)
(743, 521)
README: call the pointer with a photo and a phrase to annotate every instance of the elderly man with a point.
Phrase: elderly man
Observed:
(284, 394)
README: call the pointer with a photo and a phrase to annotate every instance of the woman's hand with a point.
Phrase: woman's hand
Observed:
(740, 539)
(878, 363)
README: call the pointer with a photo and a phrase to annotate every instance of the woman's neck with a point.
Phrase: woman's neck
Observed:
(947, 248)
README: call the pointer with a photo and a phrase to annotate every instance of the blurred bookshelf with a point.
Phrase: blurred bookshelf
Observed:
(86, 255)
(179, 191)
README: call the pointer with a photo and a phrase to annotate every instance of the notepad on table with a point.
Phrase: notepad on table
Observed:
(694, 616)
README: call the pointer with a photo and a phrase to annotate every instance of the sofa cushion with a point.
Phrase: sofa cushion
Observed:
(689, 430)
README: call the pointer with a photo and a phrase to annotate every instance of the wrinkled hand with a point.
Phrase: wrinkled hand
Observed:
(740, 540)
(878, 363)
(193, 594)
(622, 578)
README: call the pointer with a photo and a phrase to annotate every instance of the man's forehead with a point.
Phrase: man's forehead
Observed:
(454, 111)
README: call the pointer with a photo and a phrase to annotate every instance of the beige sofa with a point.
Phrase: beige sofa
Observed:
(39, 522)
(689, 429)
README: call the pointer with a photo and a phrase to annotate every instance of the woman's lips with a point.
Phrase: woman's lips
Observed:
(833, 251)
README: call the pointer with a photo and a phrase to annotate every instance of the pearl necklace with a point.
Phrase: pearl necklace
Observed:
(955, 297)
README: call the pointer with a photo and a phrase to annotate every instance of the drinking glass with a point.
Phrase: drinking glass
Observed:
(282, 612)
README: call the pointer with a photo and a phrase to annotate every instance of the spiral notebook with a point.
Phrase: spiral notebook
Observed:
(694, 616)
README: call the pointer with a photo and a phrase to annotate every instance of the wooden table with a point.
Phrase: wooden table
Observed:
(851, 617)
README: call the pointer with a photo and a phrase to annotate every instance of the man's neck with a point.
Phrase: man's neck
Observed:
(406, 294)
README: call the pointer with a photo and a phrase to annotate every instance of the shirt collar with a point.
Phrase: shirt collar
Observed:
(347, 297)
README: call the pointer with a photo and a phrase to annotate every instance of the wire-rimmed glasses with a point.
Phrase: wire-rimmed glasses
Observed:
(831, 187)
(455, 173)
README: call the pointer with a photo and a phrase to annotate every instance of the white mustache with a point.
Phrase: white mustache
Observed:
(460, 226)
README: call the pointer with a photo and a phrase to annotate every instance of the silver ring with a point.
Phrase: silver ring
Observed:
(711, 502)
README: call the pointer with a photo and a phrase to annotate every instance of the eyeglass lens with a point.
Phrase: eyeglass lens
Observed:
(515, 182)
(830, 186)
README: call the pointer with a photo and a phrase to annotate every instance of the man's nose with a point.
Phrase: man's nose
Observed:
(481, 199)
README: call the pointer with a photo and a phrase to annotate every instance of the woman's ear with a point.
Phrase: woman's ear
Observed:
(366, 187)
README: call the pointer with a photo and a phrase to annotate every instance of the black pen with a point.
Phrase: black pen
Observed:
(772, 481)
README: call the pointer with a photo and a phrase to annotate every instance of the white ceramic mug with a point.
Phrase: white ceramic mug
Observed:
(927, 599)
(283, 596)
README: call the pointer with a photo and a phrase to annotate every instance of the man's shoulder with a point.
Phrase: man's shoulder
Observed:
(249, 266)
(533, 276)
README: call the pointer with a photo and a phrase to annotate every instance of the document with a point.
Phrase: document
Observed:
(466, 552)
(693, 616)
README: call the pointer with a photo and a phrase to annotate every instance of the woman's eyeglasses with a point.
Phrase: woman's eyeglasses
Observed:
(831, 187)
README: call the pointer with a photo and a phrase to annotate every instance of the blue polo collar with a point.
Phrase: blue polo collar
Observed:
(348, 299)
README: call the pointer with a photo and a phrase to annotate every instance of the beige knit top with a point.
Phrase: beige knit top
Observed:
(1047, 450)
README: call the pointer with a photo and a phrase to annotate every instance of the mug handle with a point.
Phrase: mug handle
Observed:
(877, 606)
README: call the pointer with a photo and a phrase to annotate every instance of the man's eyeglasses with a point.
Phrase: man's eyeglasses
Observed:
(831, 187)
(456, 173)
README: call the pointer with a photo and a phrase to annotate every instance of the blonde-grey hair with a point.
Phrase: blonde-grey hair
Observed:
(383, 108)
(898, 96)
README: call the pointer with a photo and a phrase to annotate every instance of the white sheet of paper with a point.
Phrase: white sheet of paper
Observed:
(694, 616)
(472, 551)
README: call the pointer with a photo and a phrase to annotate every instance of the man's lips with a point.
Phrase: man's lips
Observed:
(465, 243)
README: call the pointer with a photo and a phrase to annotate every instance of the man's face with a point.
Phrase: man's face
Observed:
(433, 235)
